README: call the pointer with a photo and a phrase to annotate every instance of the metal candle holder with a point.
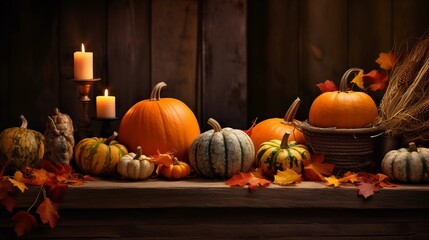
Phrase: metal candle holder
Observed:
(84, 88)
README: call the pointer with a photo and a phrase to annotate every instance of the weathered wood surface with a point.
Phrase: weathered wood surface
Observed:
(202, 193)
(203, 209)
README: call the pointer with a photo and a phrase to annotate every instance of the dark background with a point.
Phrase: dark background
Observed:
(231, 60)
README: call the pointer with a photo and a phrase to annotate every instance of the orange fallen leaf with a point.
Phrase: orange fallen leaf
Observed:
(332, 180)
(48, 212)
(317, 169)
(20, 185)
(377, 80)
(8, 202)
(243, 179)
(327, 86)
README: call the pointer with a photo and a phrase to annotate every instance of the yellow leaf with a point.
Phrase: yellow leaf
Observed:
(18, 184)
(332, 180)
(18, 176)
(358, 80)
(349, 177)
(287, 177)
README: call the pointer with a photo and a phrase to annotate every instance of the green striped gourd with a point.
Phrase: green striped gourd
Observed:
(407, 164)
(20, 146)
(221, 152)
(281, 155)
(99, 156)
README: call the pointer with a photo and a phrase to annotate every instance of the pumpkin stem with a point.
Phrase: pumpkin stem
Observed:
(291, 112)
(109, 139)
(155, 95)
(412, 147)
(215, 125)
(57, 111)
(139, 153)
(344, 79)
(285, 144)
(176, 161)
(24, 121)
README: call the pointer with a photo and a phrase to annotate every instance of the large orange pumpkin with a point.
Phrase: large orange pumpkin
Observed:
(344, 108)
(275, 128)
(164, 124)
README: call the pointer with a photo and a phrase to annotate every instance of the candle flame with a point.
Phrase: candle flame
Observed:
(83, 48)
(106, 93)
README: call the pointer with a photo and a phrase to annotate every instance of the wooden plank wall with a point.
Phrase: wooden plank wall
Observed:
(233, 60)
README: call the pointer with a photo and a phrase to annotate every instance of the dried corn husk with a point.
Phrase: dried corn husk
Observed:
(404, 108)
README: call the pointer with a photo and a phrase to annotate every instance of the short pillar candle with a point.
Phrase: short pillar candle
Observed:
(106, 106)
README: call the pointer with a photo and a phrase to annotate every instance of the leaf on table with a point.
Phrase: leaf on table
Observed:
(257, 173)
(287, 177)
(48, 212)
(350, 177)
(20, 185)
(242, 179)
(56, 167)
(8, 202)
(358, 80)
(386, 60)
(327, 86)
(24, 222)
(36, 177)
(316, 169)
(332, 180)
(378, 80)
(367, 189)
(163, 158)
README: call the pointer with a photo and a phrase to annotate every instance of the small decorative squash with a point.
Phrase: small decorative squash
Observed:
(281, 155)
(275, 128)
(167, 124)
(135, 166)
(20, 146)
(177, 170)
(99, 156)
(344, 108)
(221, 152)
(59, 137)
(407, 164)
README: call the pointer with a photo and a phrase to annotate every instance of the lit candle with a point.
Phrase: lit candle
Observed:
(106, 106)
(83, 64)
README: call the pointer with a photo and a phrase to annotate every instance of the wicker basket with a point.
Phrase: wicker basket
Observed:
(348, 149)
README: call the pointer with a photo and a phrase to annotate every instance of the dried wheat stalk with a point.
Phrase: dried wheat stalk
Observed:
(404, 108)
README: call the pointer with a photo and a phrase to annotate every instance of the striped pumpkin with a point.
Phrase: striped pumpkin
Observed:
(20, 146)
(221, 152)
(281, 155)
(99, 156)
(407, 164)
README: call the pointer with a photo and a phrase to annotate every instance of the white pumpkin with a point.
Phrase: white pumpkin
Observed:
(135, 166)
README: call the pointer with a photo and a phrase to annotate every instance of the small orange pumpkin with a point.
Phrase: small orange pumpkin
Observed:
(159, 125)
(344, 108)
(177, 170)
(275, 128)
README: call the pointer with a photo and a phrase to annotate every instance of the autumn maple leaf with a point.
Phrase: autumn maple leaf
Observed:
(243, 179)
(8, 202)
(358, 80)
(316, 169)
(327, 86)
(35, 177)
(332, 180)
(287, 177)
(367, 189)
(386, 60)
(48, 212)
(377, 80)
(24, 222)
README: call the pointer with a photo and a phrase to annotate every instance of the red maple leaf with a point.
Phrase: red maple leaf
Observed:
(24, 222)
(8, 202)
(48, 212)
(56, 191)
(56, 168)
(377, 80)
(327, 86)
(367, 189)
(243, 179)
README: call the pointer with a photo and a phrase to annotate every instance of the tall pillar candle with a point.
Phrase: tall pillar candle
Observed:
(83, 66)
(106, 106)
